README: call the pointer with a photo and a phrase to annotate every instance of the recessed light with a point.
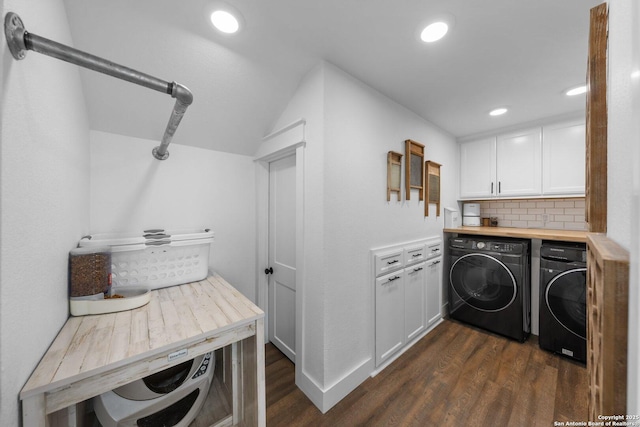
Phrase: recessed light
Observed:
(434, 32)
(224, 21)
(498, 112)
(579, 90)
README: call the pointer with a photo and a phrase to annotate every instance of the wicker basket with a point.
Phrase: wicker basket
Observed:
(156, 258)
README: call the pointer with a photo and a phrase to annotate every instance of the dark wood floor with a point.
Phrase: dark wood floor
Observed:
(455, 376)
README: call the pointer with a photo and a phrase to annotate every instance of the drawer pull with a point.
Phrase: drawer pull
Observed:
(392, 262)
(417, 255)
(391, 279)
(417, 269)
(435, 262)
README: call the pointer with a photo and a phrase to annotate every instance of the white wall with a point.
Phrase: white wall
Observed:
(621, 122)
(44, 196)
(194, 188)
(308, 103)
(347, 214)
(623, 222)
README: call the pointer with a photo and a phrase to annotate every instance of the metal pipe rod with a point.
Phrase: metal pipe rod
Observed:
(92, 62)
(19, 40)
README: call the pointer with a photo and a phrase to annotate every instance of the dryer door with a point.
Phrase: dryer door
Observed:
(566, 299)
(483, 282)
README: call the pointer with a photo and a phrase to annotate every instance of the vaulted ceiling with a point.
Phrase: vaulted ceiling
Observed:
(522, 55)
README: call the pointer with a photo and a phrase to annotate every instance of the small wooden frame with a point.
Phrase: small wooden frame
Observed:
(394, 174)
(414, 167)
(432, 185)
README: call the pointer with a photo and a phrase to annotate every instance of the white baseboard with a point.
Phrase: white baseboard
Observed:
(327, 398)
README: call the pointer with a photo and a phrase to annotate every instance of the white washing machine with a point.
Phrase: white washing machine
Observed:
(169, 398)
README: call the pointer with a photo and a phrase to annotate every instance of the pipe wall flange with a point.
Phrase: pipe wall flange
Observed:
(14, 32)
(157, 155)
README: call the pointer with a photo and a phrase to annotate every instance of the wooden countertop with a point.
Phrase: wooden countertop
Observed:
(195, 316)
(524, 233)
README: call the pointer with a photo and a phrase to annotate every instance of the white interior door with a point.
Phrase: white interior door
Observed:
(282, 255)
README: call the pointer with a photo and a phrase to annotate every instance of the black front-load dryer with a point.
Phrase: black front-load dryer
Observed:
(563, 299)
(489, 284)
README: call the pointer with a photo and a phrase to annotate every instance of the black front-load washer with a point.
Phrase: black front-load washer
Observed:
(563, 299)
(489, 284)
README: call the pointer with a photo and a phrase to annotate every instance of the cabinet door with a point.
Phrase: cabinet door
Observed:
(478, 168)
(563, 158)
(389, 315)
(414, 301)
(433, 278)
(519, 163)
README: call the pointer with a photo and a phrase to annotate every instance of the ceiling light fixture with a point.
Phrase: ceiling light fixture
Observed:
(579, 90)
(436, 27)
(434, 32)
(498, 112)
(225, 21)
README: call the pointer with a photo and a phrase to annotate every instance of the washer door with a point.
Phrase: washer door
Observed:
(483, 282)
(566, 299)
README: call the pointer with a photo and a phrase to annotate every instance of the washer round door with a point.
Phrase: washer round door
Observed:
(566, 299)
(483, 282)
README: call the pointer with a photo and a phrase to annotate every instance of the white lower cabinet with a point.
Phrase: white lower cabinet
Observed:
(415, 320)
(389, 315)
(407, 300)
(433, 279)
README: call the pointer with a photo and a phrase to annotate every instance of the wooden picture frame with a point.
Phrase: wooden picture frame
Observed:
(432, 186)
(394, 174)
(414, 168)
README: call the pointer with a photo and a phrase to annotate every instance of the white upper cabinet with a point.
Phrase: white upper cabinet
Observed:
(534, 162)
(519, 163)
(478, 168)
(563, 153)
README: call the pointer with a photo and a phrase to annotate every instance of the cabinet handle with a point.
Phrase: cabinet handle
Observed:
(392, 262)
(417, 269)
(492, 188)
(391, 279)
(499, 187)
(435, 262)
(416, 255)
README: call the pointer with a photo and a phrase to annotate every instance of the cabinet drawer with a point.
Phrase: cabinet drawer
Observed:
(388, 261)
(414, 254)
(434, 249)
(390, 278)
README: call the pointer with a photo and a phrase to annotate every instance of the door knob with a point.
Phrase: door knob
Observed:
(268, 270)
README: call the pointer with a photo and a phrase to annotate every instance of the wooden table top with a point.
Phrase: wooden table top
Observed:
(174, 317)
(525, 233)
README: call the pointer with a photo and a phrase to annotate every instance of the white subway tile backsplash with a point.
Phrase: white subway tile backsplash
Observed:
(565, 204)
(528, 205)
(554, 211)
(545, 204)
(574, 211)
(537, 213)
